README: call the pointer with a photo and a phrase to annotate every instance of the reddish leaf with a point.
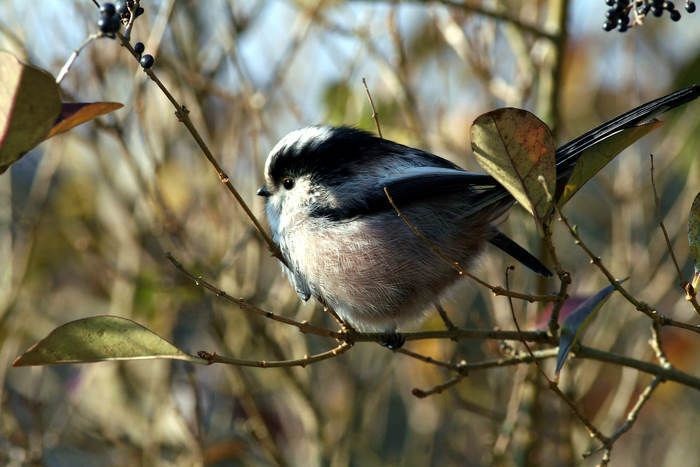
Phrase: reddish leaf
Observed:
(517, 149)
(74, 113)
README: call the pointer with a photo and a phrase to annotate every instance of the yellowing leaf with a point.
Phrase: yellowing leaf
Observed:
(74, 113)
(593, 159)
(517, 148)
(694, 232)
(29, 106)
(31, 109)
(101, 338)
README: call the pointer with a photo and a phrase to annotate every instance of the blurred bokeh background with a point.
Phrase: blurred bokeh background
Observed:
(85, 220)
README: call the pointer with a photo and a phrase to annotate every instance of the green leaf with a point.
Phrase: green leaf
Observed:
(593, 159)
(29, 106)
(577, 322)
(694, 233)
(101, 338)
(517, 149)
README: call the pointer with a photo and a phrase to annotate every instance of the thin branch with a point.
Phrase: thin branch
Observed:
(669, 374)
(464, 367)
(659, 219)
(445, 319)
(553, 383)
(497, 14)
(349, 335)
(645, 308)
(375, 115)
(629, 420)
(564, 276)
(246, 306)
(655, 343)
(459, 334)
(302, 362)
(632, 415)
(182, 115)
(690, 293)
(69, 63)
(421, 393)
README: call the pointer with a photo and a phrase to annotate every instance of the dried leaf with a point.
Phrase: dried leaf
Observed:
(29, 106)
(101, 338)
(517, 148)
(694, 233)
(74, 113)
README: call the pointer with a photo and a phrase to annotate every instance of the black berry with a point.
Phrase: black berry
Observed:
(139, 48)
(109, 25)
(139, 11)
(147, 61)
(122, 7)
(690, 7)
(107, 9)
(675, 15)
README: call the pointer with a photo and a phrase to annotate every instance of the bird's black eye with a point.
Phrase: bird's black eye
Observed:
(288, 183)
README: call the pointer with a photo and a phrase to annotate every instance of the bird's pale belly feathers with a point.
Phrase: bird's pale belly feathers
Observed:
(375, 281)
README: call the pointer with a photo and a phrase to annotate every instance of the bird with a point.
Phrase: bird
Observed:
(343, 243)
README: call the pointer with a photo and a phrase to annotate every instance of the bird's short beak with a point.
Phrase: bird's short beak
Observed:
(262, 191)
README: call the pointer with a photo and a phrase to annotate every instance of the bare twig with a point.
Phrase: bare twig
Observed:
(182, 115)
(690, 291)
(645, 308)
(421, 393)
(375, 115)
(553, 383)
(632, 415)
(499, 14)
(669, 374)
(246, 306)
(464, 367)
(659, 219)
(564, 276)
(302, 362)
(69, 63)
(445, 319)
(629, 420)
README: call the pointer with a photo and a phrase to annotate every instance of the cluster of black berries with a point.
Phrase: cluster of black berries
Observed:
(618, 15)
(147, 60)
(112, 15)
(124, 6)
(109, 22)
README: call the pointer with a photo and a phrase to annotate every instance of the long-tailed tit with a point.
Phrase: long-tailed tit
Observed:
(343, 242)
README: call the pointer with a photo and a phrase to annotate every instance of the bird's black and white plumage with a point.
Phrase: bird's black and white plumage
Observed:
(345, 245)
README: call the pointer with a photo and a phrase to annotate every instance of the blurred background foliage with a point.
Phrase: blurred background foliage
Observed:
(85, 220)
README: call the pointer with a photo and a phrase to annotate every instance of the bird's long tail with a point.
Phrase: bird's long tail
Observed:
(569, 153)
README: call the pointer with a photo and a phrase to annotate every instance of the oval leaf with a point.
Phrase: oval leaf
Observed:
(593, 159)
(101, 338)
(517, 148)
(577, 322)
(29, 106)
(694, 232)
(74, 113)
